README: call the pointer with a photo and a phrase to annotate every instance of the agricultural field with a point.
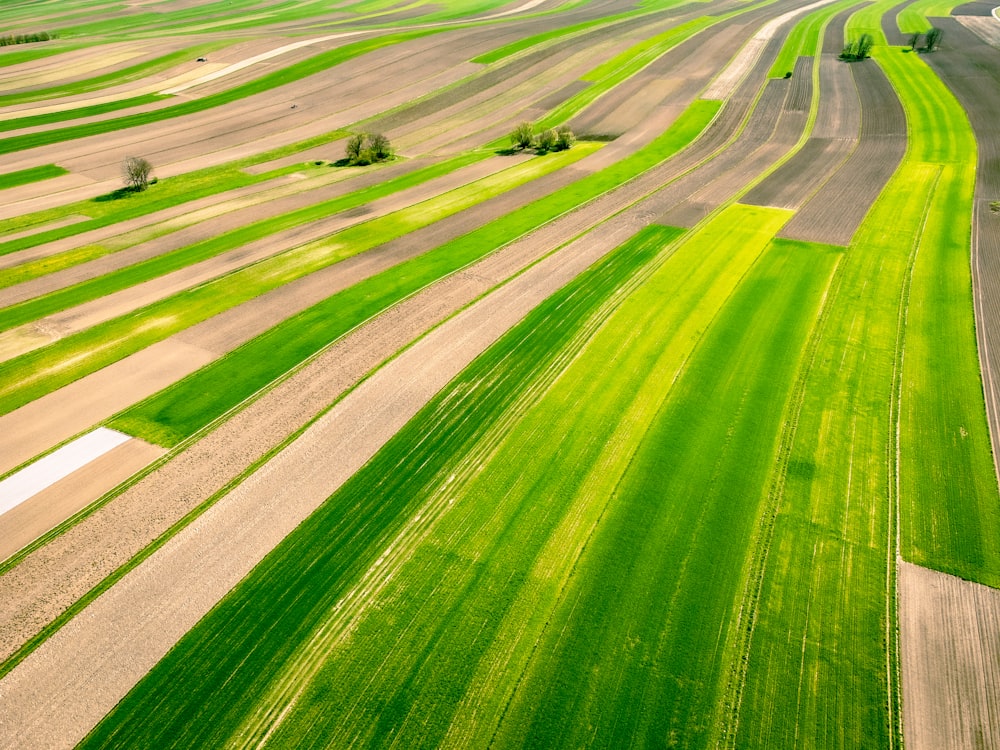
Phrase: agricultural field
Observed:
(671, 426)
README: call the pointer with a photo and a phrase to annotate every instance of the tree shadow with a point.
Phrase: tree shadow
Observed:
(114, 195)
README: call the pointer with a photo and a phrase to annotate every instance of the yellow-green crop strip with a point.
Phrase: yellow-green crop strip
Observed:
(29, 376)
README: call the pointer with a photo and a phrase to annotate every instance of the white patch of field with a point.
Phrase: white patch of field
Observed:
(59, 464)
(726, 82)
(950, 661)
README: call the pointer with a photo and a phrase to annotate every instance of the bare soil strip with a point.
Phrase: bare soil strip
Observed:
(57, 224)
(62, 689)
(967, 65)
(36, 427)
(37, 515)
(46, 471)
(950, 661)
(39, 333)
(986, 28)
(836, 210)
(981, 8)
(890, 27)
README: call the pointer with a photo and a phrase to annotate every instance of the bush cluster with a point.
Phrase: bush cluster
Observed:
(368, 148)
(6, 40)
(523, 137)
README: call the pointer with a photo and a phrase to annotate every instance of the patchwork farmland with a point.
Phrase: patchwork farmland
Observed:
(681, 436)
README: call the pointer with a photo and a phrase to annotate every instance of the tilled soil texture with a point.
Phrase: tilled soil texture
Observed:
(950, 661)
(975, 8)
(968, 66)
(32, 518)
(985, 27)
(890, 27)
(836, 210)
(839, 120)
(124, 632)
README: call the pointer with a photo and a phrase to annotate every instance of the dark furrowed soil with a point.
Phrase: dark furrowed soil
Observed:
(834, 213)
(891, 28)
(833, 39)
(800, 94)
(975, 8)
(798, 178)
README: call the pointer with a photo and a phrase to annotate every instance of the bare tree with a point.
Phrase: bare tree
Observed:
(135, 172)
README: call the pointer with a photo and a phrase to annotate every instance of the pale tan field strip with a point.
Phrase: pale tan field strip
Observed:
(38, 514)
(950, 660)
(63, 688)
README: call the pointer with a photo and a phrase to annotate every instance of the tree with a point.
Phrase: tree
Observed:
(546, 140)
(135, 172)
(564, 138)
(522, 136)
(353, 148)
(858, 49)
(914, 41)
(379, 146)
(933, 39)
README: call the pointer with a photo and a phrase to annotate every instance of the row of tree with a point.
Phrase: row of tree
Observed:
(859, 49)
(524, 137)
(6, 40)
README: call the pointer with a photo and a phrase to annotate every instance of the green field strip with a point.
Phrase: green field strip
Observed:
(31, 375)
(91, 110)
(671, 309)
(179, 411)
(806, 37)
(950, 506)
(160, 265)
(27, 176)
(915, 17)
(409, 461)
(113, 209)
(868, 20)
(19, 56)
(829, 582)
(288, 74)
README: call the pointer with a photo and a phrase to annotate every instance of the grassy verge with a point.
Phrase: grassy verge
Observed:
(27, 176)
(29, 376)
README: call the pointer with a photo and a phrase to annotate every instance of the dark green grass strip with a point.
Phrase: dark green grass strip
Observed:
(295, 72)
(26, 176)
(216, 663)
(163, 264)
(636, 639)
(72, 114)
(182, 409)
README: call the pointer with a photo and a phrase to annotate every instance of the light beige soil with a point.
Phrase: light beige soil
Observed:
(50, 507)
(48, 421)
(986, 28)
(950, 661)
(119, 637)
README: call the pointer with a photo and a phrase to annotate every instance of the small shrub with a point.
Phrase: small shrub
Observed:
(546, 141)
(564, 138)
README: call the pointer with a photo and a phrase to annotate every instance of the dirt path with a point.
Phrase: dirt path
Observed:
(950, 661)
